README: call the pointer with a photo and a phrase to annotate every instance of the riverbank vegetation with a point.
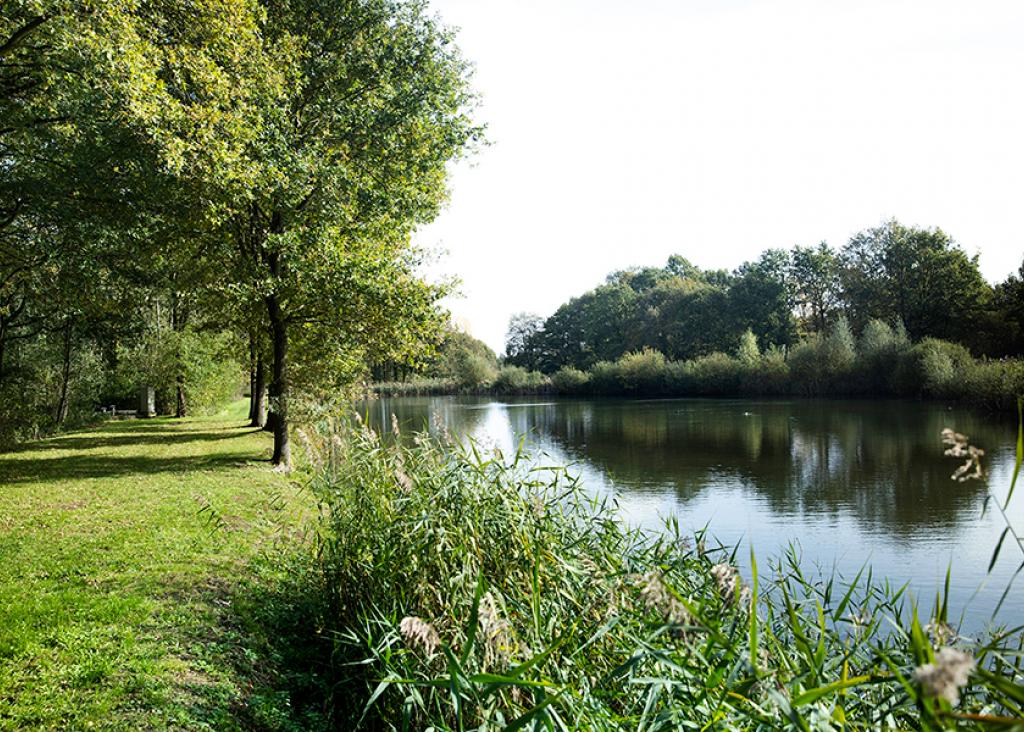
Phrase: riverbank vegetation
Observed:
(221, 198)
(881, 361)
(500, 597)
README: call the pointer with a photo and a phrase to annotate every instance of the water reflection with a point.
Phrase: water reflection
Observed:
(849, 480)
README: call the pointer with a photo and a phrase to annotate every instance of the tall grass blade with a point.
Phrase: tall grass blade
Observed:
(999, 546)
(1020, 450)
(753, 610)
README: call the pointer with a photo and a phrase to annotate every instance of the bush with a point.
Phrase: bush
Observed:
(517, 380)
(415, 387)
(471, 370)
(805, 366)
(880, 362)
(748, 353)
(604, 378)
(717, 374)
(995, 384)
(570, 381)
(938, 368)
(769, 376)
(642, 372)
(458, 593)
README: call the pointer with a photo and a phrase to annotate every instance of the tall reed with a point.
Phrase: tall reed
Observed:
(466, 589)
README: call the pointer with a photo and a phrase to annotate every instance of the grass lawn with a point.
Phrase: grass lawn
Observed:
(126, 553)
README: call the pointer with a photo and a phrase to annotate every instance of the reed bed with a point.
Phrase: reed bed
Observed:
(465, 589)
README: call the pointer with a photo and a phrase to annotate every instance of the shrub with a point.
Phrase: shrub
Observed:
(472, 370)
(717, 374)
(642, 372)
(604, 378)
(937, 368)
(415, 387)
(806, 361)
(568, 380)
(996, 384)
(839, 351)
(769, 376)
(517, 380)
(882, 351)
(748, 353)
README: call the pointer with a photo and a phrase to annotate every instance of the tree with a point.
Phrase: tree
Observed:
(748, 352)
(351, 157)
(1008, 304)
(522, 340)
(589, 328)
(759, 298)
(467, 360)
(920, 277)
(685, 318)
(680, 266)
(814, 274)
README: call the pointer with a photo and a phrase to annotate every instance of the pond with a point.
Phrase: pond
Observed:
(845, 482)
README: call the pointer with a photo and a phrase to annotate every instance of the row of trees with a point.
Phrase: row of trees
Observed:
(919, 278)
(231, 182)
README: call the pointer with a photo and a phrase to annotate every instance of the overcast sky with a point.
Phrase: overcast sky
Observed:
(624, 132)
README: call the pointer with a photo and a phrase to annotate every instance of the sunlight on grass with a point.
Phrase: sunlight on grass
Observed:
(121, 548)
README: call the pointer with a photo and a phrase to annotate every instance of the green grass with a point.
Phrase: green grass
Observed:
(127, 573)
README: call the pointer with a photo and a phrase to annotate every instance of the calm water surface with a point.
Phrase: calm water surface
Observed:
(848, 481)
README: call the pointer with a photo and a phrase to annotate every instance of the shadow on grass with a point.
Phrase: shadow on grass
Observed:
(78, 467)
(259, 631)
(150, 437)
(35, 461)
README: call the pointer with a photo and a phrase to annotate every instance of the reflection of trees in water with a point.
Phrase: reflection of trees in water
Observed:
(880, 462)
(417, 414)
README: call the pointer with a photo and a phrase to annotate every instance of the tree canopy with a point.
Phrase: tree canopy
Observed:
(919, 280)
(252, 167)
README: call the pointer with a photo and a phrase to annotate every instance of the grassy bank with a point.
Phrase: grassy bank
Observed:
(459, 591)
(154, 577)
(129, 578)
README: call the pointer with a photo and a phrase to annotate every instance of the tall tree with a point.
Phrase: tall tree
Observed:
(522, 341)
(1008, 306)
(814, 277)
(759, 298)
(920, 277)
(351, 157)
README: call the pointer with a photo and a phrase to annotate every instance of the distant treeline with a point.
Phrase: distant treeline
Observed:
(917, 280)
(897, 312)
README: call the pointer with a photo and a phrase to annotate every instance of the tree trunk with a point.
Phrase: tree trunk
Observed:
(3, 346)
(64, 401)
(258, 403)
(182, 405)
(277, 420)
(252, 379)
(178, 318)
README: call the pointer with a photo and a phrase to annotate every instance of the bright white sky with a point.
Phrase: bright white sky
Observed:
(624, 132)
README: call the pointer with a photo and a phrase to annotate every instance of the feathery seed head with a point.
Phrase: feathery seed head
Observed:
(944, 678)
(657, 596)
(419, 634)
